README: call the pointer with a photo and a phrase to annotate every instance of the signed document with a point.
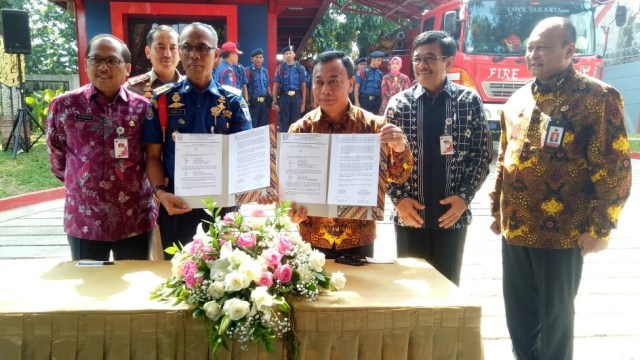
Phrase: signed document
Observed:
(302, 167)
(354, 169)
(249, 160)
(198, 170)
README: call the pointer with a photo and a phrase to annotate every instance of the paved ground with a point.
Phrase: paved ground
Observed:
(608, 315)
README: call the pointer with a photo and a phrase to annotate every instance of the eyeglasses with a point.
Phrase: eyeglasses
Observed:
(110, 61)
(427, 59)
(200, 49)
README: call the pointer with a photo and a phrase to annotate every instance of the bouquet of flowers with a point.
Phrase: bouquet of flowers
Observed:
(241, 276)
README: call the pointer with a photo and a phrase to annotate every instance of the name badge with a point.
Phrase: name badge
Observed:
(84, 117)
(446, 145)
(173, 112)
(121, 148)
(555, 134)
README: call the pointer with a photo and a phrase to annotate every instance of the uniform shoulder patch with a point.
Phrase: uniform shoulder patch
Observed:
(232, 90)
(138, 79)
(163, 89)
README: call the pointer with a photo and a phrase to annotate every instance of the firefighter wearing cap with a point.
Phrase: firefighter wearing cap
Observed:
(360, 64)
(367, 92)
(260, 98)
(230, 72)
(290, 87)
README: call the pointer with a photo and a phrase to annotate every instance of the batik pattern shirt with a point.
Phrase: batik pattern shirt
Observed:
(106, 198)
(391, 85)
(394, 167)
(468, 166)
(547, 196)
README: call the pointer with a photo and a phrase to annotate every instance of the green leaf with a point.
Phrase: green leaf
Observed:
(224, 324)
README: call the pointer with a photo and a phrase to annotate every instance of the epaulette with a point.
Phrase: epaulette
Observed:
(163, 89)
(232, 90)
(138, 79)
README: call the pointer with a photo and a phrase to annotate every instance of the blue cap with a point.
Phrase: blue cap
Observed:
(360, 60)
(376, 54)
(257, 51)
(288, 48)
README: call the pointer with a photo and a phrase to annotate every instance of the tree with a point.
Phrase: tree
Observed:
(339, 30)
(54, 50)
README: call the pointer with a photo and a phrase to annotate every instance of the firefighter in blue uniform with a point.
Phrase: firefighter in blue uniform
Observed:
(230, 72)
(367, 91)
(260, 98)
(290, 87)
(198, 105)
(359, 64)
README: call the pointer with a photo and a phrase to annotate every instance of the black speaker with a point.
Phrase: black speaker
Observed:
(17, 34)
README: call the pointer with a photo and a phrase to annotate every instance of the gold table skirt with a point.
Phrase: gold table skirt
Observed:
(398, 311)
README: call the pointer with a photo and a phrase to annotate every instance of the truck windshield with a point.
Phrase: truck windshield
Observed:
(503, 27)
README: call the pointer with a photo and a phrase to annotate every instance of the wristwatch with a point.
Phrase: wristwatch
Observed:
(155, 190)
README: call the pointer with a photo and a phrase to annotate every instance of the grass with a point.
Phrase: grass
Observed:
(29, 172)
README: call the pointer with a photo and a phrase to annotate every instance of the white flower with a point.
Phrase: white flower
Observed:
(235, 281)
(251, 269)
(225, 250)
(238, 257)
(261, 298)
(219, 269)
(256, 223)
(236, 309)
(176, 266)
(338, 281)
(305, 274)
(216, 290)
(316, 260)
(213, 310)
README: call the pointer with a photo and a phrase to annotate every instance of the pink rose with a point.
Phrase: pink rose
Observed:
(229, 219)
(284, 245)
(272, 257)
(189, 269)
(258, 212)
(266, 279)
(246, 240)
(284, 273)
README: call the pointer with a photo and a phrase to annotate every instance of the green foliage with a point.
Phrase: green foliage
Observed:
(54, 49)
(39, 101)
(339, 30)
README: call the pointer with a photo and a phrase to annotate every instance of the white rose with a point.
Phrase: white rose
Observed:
(213, 310)
(261, 297)
(216, 290)
(176, 266)
(316, 260)
(256, 223)
(252, 270)
(236, 308)
(305, 274)
(337, 281)
(219, 269)
(238, 257)
(235, 281)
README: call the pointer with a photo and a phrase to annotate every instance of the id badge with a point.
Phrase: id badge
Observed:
(555, 134)
(121, 148)
(446, 145)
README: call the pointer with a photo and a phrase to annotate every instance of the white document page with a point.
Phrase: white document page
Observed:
(198, 169)
(354, 170)
(249, 160)
(302, 167)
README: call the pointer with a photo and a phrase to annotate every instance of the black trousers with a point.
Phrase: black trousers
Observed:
(181, 228)
(370, 105)
(259, 113)
(132, 248)
(289, 111)
(442, 248)
(540, 286)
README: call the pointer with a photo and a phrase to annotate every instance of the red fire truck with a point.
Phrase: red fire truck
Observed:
(492, 38)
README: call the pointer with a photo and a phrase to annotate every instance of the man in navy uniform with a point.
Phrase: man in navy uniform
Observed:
(230, 72)
(367, 92)
(289, 86)
(360, 64)
(258, 88)
(162, 51)
(196, 104)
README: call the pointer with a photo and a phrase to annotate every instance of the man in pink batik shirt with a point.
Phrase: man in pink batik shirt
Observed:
(95, 148)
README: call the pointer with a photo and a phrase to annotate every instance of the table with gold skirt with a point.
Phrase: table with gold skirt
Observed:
(405, 310)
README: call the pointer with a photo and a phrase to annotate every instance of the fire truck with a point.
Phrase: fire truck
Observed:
(492, 38)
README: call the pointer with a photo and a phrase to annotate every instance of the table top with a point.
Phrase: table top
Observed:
(41, 286)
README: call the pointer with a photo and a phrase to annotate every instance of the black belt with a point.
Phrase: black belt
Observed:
(370, 97)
